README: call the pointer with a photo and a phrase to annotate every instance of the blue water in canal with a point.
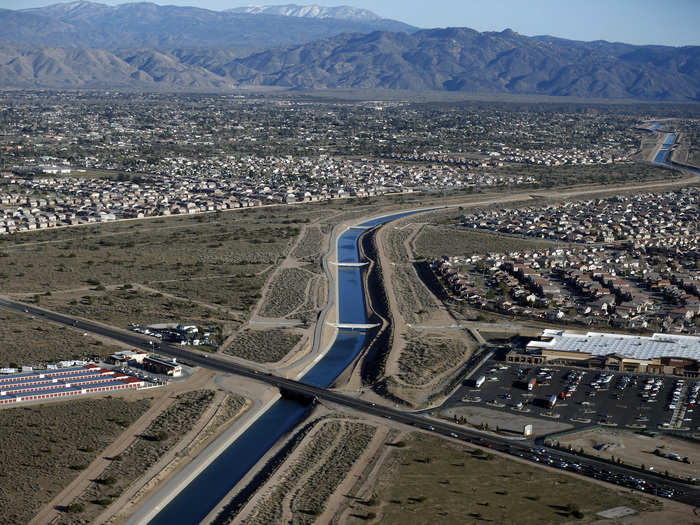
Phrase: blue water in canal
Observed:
(198, 499)
(664, 151)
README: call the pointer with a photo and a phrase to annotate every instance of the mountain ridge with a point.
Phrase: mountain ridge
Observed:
(144, 24)
(462, 59)
(159, 49)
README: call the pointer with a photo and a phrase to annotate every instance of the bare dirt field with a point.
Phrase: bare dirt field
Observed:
(431, 480)
(511, 422)
(637, 449)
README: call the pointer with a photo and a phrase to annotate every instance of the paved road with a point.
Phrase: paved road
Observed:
(600, 469)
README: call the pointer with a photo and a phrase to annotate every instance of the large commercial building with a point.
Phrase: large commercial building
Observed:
(658, 354)
(62, 382)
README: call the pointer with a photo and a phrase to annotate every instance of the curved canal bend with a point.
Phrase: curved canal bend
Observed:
(661, 157)
(203, 493)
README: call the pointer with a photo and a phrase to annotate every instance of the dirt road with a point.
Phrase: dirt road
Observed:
(163, 398)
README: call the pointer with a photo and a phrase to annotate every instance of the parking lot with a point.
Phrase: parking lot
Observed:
(583, 397)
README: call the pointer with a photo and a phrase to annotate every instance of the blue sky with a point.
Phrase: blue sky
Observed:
(670, 22)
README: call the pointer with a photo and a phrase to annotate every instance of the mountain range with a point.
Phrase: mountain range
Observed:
(84, 24)
(145, 46)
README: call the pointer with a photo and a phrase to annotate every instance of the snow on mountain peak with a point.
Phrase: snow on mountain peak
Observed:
(310, 11)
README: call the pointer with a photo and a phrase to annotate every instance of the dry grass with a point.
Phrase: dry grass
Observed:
(432, 480)
(238, 291)
(121, 307)
(264, 346)
(310, 500)
(324, 460)
(45, 446)
(394, 246)
(143, 251)
(692, 138)
(315, 300)
(286, 293)
(426, 355)
(604, 174)
(414, 300)
(217, 259)
(438, 241)
(34, 342)
(161, 435)
(231, 406)
(310, 245)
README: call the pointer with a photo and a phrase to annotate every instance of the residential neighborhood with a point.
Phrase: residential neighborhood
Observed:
(638, 268)
(50, 201)
(642, 218)
(591, 286)
(75, 158)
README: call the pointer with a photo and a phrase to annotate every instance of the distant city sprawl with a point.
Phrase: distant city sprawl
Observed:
(75, 158)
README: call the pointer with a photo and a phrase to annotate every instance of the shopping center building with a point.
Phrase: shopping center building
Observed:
(657, 354)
